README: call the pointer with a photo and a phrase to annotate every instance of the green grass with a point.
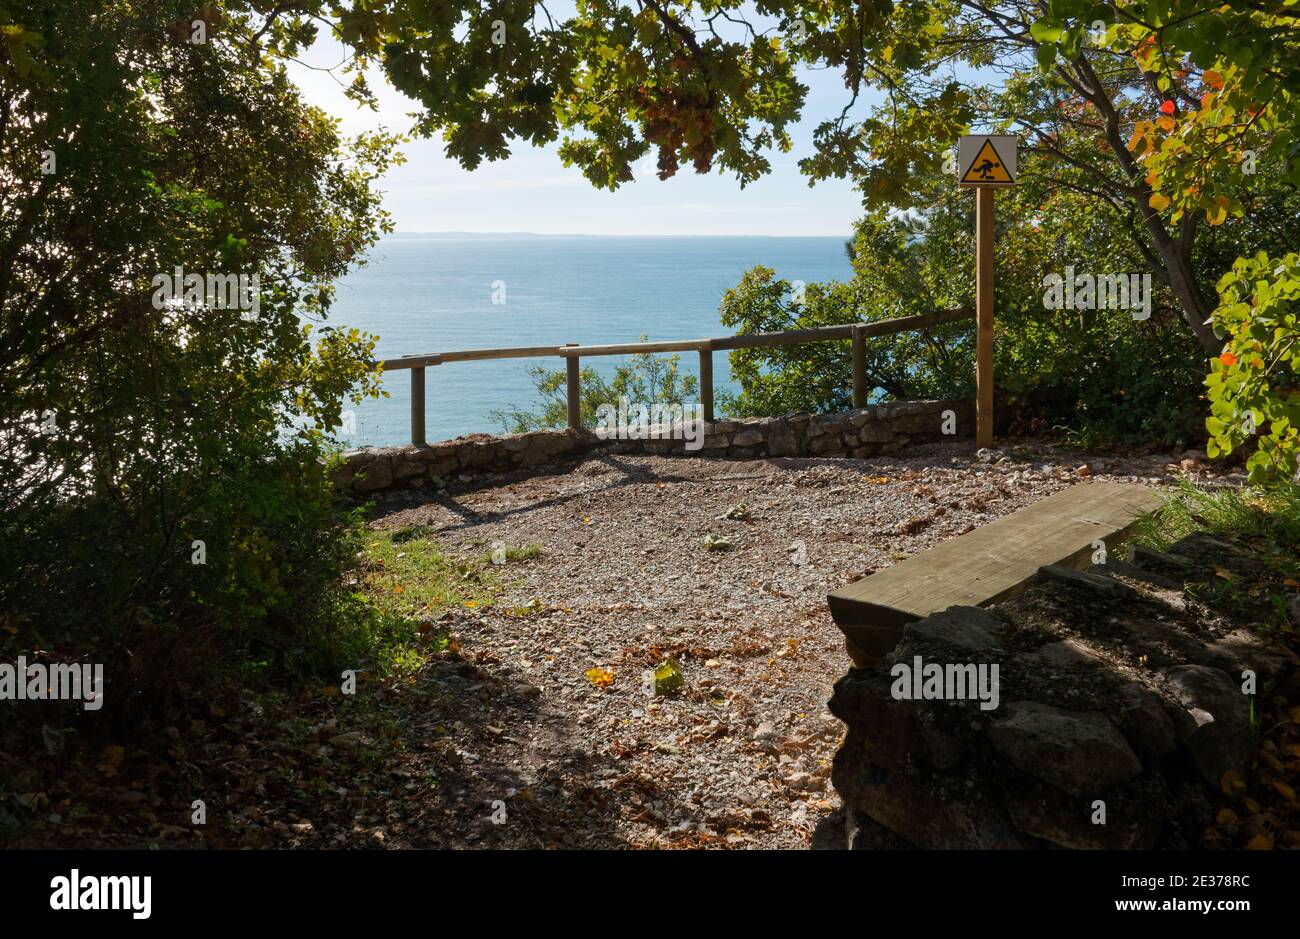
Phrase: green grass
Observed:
(1264, 521)
(407, 582)
(1269, 519)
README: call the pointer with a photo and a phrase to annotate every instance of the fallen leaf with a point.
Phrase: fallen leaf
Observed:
(1231, 783)
(1283, 789)
(600, 677)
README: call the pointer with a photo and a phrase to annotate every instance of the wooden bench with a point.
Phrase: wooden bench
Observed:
(991, 563)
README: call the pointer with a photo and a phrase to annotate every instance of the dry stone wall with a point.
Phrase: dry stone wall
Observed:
(882, 428)
(1120, 707)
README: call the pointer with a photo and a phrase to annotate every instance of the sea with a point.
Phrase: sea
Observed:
(431, 293)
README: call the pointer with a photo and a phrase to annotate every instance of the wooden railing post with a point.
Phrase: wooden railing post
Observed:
(574, 389)
(984, 318)
(859, 342)
(706, 381)
(417, 407)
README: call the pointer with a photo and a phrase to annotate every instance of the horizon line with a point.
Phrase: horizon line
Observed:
(530, 234)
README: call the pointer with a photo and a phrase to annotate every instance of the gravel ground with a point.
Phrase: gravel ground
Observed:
(741, 757)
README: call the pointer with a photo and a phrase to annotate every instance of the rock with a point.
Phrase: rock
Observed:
(378, 475)
(1068, 653)
(1079, 752)
(783, 439)
(1115, 567)
(348, 741)
(765, 737)
(876, 432)
(1209, 553)
(826, 444)
(747, 438)
(963, 627)
(1096, 583)
(1173, 566)
(1214, 720)
(1143, 717)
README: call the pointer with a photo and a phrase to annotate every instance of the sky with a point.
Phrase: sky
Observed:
(532, 191)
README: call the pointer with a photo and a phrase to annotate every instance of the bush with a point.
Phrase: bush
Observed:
(167, 511)
(1253, 388)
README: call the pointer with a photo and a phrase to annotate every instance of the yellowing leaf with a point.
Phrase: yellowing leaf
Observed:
(1158, 202)
(1231, 783)
(1260, 843)
(1283, 789)
(600, 677)
(1227, 816)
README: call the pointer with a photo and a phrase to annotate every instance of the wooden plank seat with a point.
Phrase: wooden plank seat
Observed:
(991, 563)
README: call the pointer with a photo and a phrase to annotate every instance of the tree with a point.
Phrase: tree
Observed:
(712, 84)
(161, 459)
(1231, 80)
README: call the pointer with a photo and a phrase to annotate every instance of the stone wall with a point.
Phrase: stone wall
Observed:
(1116, 694)
(882, 428)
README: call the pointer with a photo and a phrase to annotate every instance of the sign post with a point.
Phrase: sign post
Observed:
(985, 162)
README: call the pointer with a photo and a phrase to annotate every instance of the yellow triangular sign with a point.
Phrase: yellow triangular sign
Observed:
(987, 167)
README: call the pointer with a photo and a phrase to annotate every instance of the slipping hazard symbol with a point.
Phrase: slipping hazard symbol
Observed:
(987, 167)
(987, 160)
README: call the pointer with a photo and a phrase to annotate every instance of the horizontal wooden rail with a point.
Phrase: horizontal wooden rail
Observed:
(788, 337)
(572, 353)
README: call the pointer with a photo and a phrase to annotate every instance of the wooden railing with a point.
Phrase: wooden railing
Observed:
(856, 333)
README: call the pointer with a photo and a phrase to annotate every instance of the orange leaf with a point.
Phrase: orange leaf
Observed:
(600, 677)
(1260, 843)
(1286, 791)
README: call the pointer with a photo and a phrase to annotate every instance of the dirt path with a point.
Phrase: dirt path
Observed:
(742, 756)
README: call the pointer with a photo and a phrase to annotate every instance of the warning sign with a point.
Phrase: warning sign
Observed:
(986, 160)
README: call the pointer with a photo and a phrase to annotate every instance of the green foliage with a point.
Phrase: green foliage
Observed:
(643, 379)
(128, 431)
(1253, 388)
(1224, 148)
(1099, 375)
